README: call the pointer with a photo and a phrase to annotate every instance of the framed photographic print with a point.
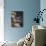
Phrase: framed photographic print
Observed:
(17, 19)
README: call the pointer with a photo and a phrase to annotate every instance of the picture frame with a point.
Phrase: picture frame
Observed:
(17, 19)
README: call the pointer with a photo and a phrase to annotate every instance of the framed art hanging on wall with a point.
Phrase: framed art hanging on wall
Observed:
(17, 19)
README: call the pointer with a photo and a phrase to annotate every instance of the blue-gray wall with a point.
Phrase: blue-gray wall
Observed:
(29, 7)
(43, 6)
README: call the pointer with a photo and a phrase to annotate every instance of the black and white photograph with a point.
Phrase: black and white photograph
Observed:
(17, 19)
